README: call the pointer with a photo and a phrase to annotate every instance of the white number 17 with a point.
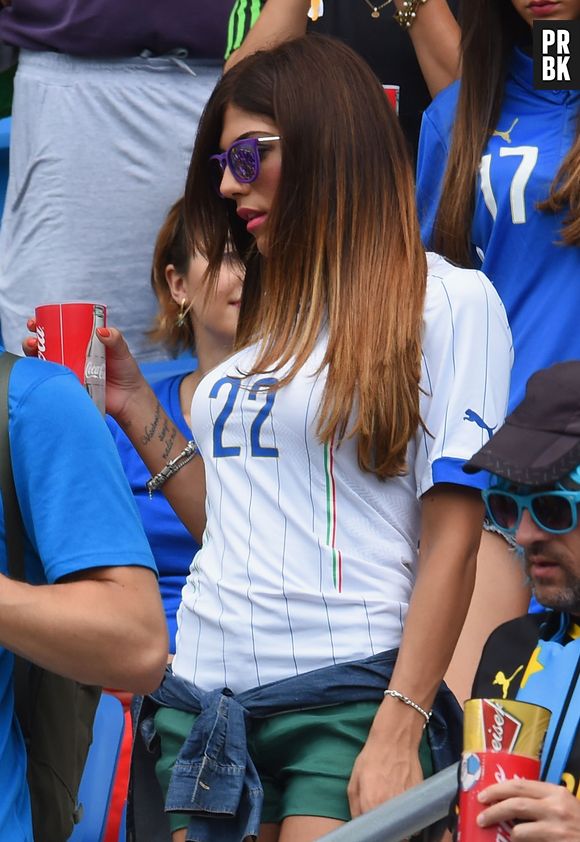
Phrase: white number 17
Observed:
(529, 156)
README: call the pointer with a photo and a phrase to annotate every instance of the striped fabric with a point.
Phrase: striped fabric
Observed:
(306, 560)
(243, 16)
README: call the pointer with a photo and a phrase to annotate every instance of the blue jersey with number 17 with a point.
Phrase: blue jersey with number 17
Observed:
(516, 245)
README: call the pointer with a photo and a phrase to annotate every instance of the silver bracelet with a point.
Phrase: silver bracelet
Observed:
(172, 467)
(411, 703)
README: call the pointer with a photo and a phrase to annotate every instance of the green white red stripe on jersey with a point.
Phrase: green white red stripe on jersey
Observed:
(331, 514)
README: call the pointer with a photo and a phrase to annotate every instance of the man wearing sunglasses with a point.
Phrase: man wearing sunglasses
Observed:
(534, 496)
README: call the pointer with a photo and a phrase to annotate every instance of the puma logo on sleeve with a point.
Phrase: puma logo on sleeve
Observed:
(471, 415)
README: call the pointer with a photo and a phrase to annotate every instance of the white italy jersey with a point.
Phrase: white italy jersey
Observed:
(307, 561)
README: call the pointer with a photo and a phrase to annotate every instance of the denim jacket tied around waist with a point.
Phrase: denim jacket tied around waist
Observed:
(214, 778)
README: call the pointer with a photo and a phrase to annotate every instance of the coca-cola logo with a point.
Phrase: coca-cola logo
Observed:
(500, 728)
(41, 337)
(95, 371)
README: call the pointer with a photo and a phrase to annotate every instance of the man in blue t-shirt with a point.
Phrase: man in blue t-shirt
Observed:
(92, 611)
(535, 494)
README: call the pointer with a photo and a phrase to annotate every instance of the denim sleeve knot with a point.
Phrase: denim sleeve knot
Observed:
(213, 777)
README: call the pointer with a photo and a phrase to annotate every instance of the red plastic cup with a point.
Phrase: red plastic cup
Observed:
(478, 771)
(392, 94)
(502, 740)
(66, 334)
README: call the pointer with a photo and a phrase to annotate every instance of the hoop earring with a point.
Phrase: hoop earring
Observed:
(183, 311)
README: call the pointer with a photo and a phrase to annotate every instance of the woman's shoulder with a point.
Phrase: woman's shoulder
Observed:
(441, 112)
(456, 289)
(167, 386)
(467, 345)
(235, 366)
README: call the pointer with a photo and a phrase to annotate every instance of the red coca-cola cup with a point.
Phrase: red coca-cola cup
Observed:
(502, 740)
(392, 94)
(66, 334)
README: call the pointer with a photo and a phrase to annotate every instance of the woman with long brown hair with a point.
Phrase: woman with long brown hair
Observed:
(332, 443)
(499, 179)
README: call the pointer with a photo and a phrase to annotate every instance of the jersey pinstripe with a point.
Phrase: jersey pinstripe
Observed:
(307, 561)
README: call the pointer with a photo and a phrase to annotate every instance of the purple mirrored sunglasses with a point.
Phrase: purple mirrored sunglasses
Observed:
(243, 158)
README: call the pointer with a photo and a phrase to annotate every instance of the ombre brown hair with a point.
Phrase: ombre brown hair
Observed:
(490, 30)
(345, 251)
(171, 246)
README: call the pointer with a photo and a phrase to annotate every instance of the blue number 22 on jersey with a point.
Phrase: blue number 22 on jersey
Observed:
(234, 383)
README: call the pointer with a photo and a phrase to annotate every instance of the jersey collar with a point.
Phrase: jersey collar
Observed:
(522, 71)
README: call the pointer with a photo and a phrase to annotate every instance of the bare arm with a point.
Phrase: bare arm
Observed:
(436, 38)
(451, 523)
(279, 21)
(135, 407)
(104, 626)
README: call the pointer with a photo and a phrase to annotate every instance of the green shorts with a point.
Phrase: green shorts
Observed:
(304, 758)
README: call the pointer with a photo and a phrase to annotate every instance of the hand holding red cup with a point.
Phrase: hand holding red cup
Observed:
(503, 741)
(66, 334)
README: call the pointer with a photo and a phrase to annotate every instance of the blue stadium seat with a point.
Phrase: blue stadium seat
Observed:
(4, 147)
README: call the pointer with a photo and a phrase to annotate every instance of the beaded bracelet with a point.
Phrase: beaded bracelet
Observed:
(405, 17)
(172, 467)
(408, 701)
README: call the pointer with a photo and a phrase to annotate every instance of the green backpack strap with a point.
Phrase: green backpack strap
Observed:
(14, 529)
(14, 534)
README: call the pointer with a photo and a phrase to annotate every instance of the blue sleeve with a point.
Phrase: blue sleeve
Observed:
(76, 504)
(431, 164)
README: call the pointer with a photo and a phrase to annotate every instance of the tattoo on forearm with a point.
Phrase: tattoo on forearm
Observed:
(152, 428)
(169, 443)
(162, 430)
